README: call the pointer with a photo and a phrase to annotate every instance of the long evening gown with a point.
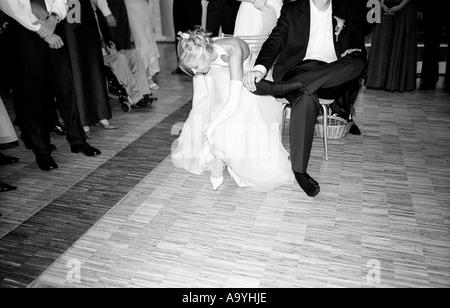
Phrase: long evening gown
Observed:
(247, 141)
(392, 62)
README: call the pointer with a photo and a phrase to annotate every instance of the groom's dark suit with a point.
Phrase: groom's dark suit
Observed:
(287, 47)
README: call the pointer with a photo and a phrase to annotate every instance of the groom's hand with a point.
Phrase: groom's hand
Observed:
(251, 79)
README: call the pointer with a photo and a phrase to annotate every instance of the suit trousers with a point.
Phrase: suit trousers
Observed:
(37, 66)
(186, 15)
(221, 14)
(435, 20)
(321, 80)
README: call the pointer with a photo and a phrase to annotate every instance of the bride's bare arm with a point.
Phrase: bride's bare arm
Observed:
(238, 51)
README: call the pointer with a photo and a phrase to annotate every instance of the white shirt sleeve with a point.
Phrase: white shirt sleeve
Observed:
(59, 7)
(104, 8)
(260, 68)
(20, 10)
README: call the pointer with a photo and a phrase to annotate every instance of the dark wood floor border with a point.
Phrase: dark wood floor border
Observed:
(33, 246)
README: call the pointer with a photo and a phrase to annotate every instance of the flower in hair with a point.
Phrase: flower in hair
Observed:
(183, 35)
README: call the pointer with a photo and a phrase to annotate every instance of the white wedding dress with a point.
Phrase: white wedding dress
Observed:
(250, 21)
(246, 139)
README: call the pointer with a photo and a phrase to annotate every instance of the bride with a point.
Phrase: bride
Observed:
(257, 17)
(228, 126)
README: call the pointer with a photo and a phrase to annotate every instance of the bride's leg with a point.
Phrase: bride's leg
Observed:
(217, 173)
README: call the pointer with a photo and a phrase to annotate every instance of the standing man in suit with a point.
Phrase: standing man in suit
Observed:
(221, 13)
(186, 15)
(41, 59)
(317, 51)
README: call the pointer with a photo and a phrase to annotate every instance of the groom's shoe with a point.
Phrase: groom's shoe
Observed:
(307, 183)
(354, 130)
(279, 89)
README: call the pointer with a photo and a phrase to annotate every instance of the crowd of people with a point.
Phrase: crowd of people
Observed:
(315, 49)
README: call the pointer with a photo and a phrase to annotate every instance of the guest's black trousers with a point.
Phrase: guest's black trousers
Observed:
(321, 80)
(36, 68)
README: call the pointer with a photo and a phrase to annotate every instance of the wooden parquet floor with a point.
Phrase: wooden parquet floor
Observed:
(129, 218)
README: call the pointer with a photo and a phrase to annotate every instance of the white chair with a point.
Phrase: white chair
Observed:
(325, 103)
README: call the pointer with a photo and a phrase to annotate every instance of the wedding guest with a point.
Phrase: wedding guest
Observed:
(127, 66)
(221, 15)
(393, 55)
(120, 34)
(257, 18)
(436, 18)
(40, 57)
(85, 54)
(325, 61)
(186, 15)
(141, 17)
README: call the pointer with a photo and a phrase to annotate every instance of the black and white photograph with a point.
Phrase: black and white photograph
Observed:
(226, 151)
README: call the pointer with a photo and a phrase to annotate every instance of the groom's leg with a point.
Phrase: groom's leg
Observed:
(309, 76)
(304, 111)
(332, 75)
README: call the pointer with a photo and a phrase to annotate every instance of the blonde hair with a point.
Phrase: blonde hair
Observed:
(192, 45)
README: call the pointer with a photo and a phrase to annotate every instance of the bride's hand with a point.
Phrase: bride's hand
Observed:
(251, 79)
(259, 4)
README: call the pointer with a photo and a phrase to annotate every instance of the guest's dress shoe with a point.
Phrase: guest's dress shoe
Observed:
(59, 130)
(307, 183)
(146, 101)
(46, 162)
(85, 149)
(108, 126)
(7, 160)
(177, 71)
(427, 86)
(5, 187)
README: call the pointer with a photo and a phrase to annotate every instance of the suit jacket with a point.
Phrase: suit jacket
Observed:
(288, 42)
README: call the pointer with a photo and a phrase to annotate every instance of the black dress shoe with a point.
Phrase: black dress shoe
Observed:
(426, 87)
(354, 130)
(6, 187)
(143, 103)
(177, 71)
(46, 162)
(85, 149)
(59, 130)
(307, 183)
(7, 160)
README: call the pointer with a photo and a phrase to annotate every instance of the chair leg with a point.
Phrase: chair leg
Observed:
(325, 130)
(283, 120)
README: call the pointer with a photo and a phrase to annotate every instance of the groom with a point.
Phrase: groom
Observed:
(317, 49)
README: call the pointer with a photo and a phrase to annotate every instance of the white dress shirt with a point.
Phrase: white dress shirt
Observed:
(20, 10)
(321, 39)
(321, 44)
